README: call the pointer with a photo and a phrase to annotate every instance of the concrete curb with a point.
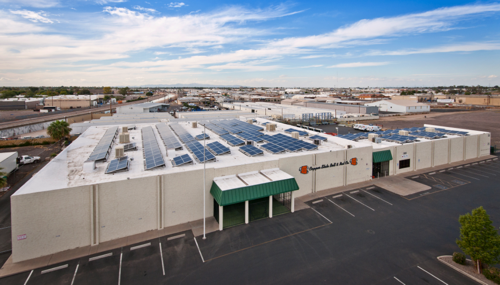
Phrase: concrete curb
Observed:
(464, 273)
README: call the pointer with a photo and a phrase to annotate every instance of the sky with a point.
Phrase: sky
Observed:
(249, 43)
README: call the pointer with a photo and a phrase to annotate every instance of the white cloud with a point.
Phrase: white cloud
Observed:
(145, 9)
(33, 16)
(312, 66)
(33, 3)
(176, 4)
(492, 76)
(462, 47)
(358, 64)
(102, 2)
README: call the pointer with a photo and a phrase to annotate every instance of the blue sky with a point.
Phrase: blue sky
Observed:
(251, 43)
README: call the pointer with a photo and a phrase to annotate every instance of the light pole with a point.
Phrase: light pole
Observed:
(204, 177)
(337, 130)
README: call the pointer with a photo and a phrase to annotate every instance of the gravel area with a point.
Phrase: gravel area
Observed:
(469, 268)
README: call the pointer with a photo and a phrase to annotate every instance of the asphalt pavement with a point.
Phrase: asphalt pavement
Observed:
(362, 236)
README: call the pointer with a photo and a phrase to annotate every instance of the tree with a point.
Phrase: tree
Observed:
(107, 90)
(84, 92)
(58, 130)
(8, 94)
(479, 238)
(124, 91)
(3, 179)
(149, 93)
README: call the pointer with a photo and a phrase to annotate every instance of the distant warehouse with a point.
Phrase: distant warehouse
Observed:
(114, 181)
(400, 106)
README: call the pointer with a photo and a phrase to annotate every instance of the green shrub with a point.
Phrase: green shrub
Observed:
(459, 258)
(53, 154)
(492, 274)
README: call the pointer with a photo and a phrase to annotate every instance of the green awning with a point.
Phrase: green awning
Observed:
(381, 156)
(242, 194)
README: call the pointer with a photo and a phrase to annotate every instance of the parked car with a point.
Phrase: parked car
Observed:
(26, 159)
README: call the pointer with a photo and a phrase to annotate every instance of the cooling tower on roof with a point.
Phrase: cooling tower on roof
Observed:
(119, 151)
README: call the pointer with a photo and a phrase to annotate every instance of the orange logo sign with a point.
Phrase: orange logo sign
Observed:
(354, 161)
(303, 169)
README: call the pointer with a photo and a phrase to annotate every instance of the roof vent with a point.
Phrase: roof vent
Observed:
(124, 138)
(271, 127)
(295, 135)
(124, 129)
(195, 125)
(403, 133)
(349, 146)
(317, 142)
(378, 140)
(119, 151)
(430, 130)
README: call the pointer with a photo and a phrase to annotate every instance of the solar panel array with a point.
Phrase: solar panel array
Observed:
(400, 138)
(103, 148)
(152, 153)
(316, 137)
(202, 137)
(251, 150)
(119, 164)
(201, 154)
(289, 143)
(353, 137)
(450, 132)
(272, 148)
(182, 133)
(129, 146)
(301, 133)
(168, 137)
(218, 130)
(217, 148)
(182, 160)
(427, 135)
(232, 140)
(250, 137)
(236, 126)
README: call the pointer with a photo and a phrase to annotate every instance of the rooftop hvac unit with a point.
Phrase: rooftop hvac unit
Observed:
(124, 129)
(403, 133)
(271, 127)
(349, 146)
(251, 143)
(119, 152)
(317, 142)
(124, 138)
(295, 135)
(378, 140)
(195, 125)
(250, 122)
(430, 130)
(276, 117)
(372, 137)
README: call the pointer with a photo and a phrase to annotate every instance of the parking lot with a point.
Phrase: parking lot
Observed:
(362, 236)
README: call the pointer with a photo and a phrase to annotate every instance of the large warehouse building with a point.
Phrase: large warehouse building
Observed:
(99, 189)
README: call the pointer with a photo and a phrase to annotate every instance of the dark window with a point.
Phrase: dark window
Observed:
(404, 163)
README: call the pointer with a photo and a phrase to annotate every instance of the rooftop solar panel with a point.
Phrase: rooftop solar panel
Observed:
(316, 137)
(201, 154)
(202, 137)
(168, 137)
(217, 148)
(102, 149)
(182, 133)
(251, 150)
(129, 146)
(272, 148)
(233, 141)
(117, 165)
(182, 160)
(152, 154)
(301, 133)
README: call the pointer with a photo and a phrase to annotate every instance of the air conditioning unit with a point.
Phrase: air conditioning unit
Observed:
(119, 152)
(124, 138)
(317, 142)
(430, 130)
(124, 129)
(295, 135)
(349, 146)
(271, 127)
(378, 140)
(372, 137)
(403, 133)
(250, 122)
(89, 166)
(251, 143)
(195, 125)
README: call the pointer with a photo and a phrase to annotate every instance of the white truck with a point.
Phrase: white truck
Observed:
(8, 162)
(26, 159)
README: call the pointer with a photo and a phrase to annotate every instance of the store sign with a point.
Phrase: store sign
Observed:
(21, 237)
(405, 155)
(305, 169)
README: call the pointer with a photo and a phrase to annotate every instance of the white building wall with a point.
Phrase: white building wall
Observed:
(404, 152)
(441, 147)
(330, 177)
(456, 149)
(471, 146)
(291, 166)
(423, 155)
(485, 144)
(363, 170)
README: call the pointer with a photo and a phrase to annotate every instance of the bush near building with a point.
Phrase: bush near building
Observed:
(459, 258)
(492, 274)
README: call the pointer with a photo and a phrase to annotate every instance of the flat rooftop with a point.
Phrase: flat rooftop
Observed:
(66, 169)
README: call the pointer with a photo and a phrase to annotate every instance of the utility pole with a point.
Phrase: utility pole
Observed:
(204, 178)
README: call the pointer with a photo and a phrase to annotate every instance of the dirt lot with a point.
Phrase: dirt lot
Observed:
(488, 121)
(42, 151)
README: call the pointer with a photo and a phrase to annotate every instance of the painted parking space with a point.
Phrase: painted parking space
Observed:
(141, 263)
(100, 268)
(54, 274)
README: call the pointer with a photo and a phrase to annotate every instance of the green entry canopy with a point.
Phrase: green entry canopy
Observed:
(234, 189)
(381, 156)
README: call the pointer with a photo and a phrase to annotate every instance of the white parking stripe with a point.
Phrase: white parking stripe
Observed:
(321, 215)
(120, 270)
(360, 203)
(450, 168)
(377, 197)
(481, 170)
(337, 196)
(162, 264)
(432, 173)
(459, 167)
(399, 280)
(202, 259)
(317, 201)
(176, 237)
(74, 275)
(140, 246)
(467, 165)
(55, 268)
(442, 170)
(354, 192)
(470, 171)
(100, 256)
(412, 177)
(26, 282)
(341, 207)
(371, 187)
(457, 173)
(431, 275)
(475, 163)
